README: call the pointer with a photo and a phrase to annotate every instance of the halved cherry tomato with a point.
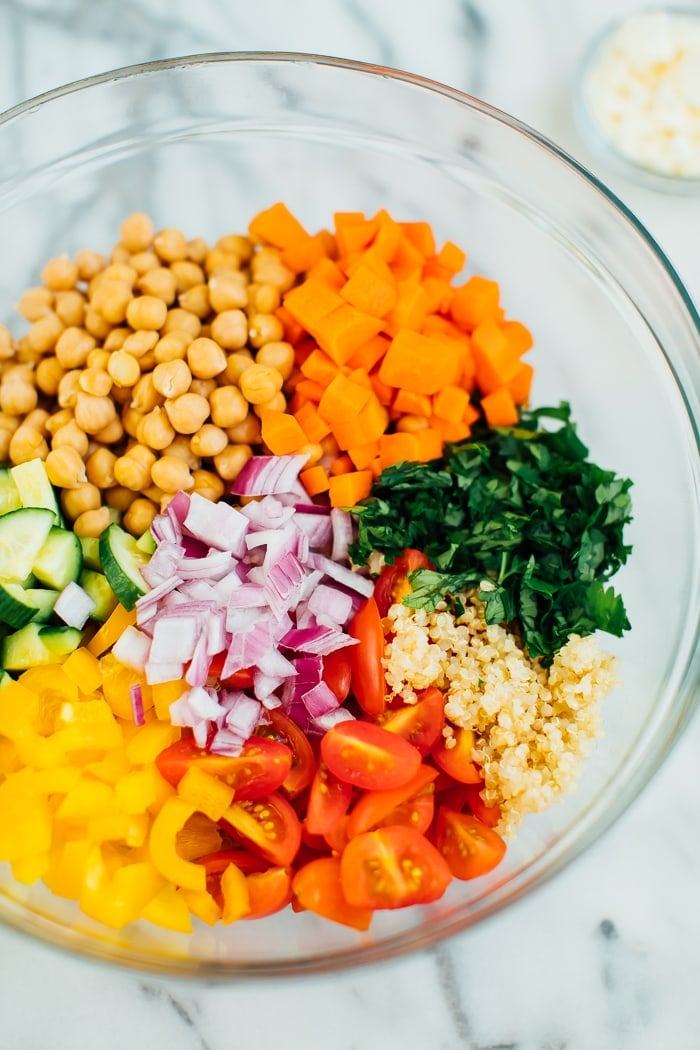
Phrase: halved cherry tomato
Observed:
(368, 683)
(262, 766)
(337, 672)
(393, 583)
(367, 756)
(470, 847)
(288, 732)
(374, 806)
(269, 826)
(457, 760)
(489, 815)
(317, 888)
(421, 723)
(451, 794)
(392, 868)
(238, 680)
(416, 813)
(337, 838)
(329, 800)
(268, 891)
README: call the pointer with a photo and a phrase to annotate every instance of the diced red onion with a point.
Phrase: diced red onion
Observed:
(74, 605)
(343, 533)
(132, 648)
(174, 635)
(320, 700)
(137, 705)
(340, 574)
(330, 604)
(216, 524)
(332, 718)
(157, 673)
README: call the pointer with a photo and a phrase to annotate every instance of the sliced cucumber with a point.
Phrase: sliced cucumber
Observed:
(23, 533)
(34, 487)
(34, 645)
(146, 542)
(4, 679)
(91, 552)
(44, 600)
(16, 608)
(121, 563)
(9, 493)
(60, 559)
(97, 586)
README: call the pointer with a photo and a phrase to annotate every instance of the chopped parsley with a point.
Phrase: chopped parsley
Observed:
(519, 513)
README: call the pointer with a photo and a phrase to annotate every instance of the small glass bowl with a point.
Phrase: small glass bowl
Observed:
(590, 127)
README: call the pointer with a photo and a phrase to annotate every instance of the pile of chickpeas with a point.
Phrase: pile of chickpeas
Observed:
(145, 374)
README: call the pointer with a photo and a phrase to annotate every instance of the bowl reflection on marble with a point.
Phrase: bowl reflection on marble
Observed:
(203, 144)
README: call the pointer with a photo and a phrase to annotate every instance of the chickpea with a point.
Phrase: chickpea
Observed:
(187, 275)
(264, 328)
(5, 439)
(38, 419)
(35, 303)
(330, 446)
(119, 498)
(10, 423)
(24, 352)
(60, 274)
(228, 406)
(277, 403)
(208, 485)
(209, 441)
(228, 291)
(170, 244)
(138, 344)
(139, 516)
(204, 387)
(196, 299)
(182, 320)
(147, 312)
(263, 298)
(27, 443)
(44, 333)
(259, 383)
(17, 397)
(187, 412)
(134, 471)
(19, 372)
(412, 424)
(70, 434)
(230, 329)
(155, 430)
(92, 522)
(236, 243)
(145, 397)
(219, 261)
(120, 272)
(247, 432)
(116, 338)
(95, 381)
(170, 473)
(110, 434)
(73, 347)
(93, 413)
(144, 261)
(197, 250)
(180, 447)
(172, 347)
(89, 263)
(231, 461)
(131, 418)
(277, 355)
(100, 468)
(160, 283)
(6, 345)
(267, 268)
(148, 362)
(96, 324)
(312, 451)
(48, 375)
(111, 299)
(65, 468)
(123, 368)
(172, 378)
(59, 419)
(236, 366)
(205, 358)
(120, 254)
(70, 308)
(69, 388)
(136, 232)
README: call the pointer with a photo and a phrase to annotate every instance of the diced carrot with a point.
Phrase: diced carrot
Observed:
(496, 362)
(293, 331)
(411, 308)
(521, 383)
(343, 331)
(315, 480)
(327, 272)
(363, 455)
(436, 324)
(311, 301)
(519, 337)
(309, 390)
(361, 377)
(450, 431)
(369, 353)
(281, 433)
(341, 465)
(370, 292)
(347, 218)
(277, 226)
(439, 293)
(450, 403)
(384, 393)
(311, 423)
(408, 261)
(368, 425)
(369, 259)
(388, 235)
(474, 302)
(342, 401)
(348, 489)
(396, 448)
(329, 244)
(376, 467)
(452, 257)
(471, 414)
(413, 404)
(499, 408)
(420, 364)
(303, 254)
(319, 367)
(429, 444)
(421, 236)
(353, 237)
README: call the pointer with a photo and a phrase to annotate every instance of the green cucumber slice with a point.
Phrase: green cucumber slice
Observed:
(4, 679)
(91, 552)
(60, 559)
(34, 487)
(34, 646)
(23, 533)
(9, 493)
(97, 586)
(146, 542)
(16, 607)
(43, 599)
(121, 563)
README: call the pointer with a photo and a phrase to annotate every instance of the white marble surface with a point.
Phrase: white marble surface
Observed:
(607, 956)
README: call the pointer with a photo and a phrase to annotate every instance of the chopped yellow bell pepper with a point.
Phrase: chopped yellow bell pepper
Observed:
(117, 680)
(111, 767)
(141, 789)
(87, 725)
(87, 798)
(202, 905)
(165, 694)
(236, 897)
(119, 827)
(118, 898)
(67, 867)
(25, 818)
(149, 740)
(164, 855)
(28, 869)
(83, 668)
(168, 909)
(208, 794)
(111, 630)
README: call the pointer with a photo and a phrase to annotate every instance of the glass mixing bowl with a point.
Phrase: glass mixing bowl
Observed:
(202, 144)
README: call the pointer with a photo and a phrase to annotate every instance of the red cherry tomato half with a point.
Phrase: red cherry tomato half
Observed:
(392, 868)
(317, 888)
(374, 806)
(337, 672)
(268, 892)
(367, 672)
(457, 761)
(238, 680)
(470, 847)
(421, 723)
(268, 826)
(329, 800)
(393, 583)
(284, 729)
(367, 756)
(416, 813)
(262, 766)
(489, 815)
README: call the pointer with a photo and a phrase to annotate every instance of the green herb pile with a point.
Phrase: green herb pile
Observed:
(521, 508)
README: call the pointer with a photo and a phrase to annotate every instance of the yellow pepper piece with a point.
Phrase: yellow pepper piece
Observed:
(10, 760)
(111, 629)
(28, 869)
(120, 898)
(88, 797)
(164, 855)
(112, 767)
(119, 827)
(83, 669)
(149, 740)
(25, 818)
(67, 867)
(168, 909)
(207, 793)
(116, 681)
(87, 725)
(165, 694)
(137, 791)
(202, 905)
(236, 897)
(49, 681)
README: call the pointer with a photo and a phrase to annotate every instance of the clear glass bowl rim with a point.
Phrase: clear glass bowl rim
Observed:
(413, 940)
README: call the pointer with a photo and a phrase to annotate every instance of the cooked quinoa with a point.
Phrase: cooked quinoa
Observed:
(532, 725)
